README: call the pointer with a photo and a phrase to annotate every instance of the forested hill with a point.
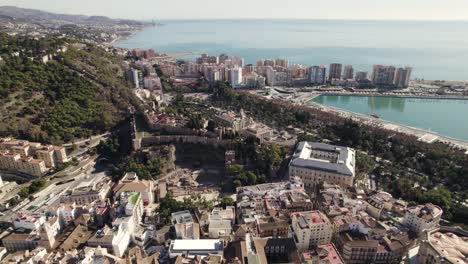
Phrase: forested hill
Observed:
(56, 90)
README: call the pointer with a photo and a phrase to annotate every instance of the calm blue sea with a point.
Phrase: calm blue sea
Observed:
(443, 116)
(436, 50)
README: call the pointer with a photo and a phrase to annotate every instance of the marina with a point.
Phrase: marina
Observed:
(440, 117)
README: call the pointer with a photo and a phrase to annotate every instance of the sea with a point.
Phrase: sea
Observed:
(437, 50)
(448, 117)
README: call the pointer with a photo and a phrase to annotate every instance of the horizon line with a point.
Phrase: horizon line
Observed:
(323, 19)
(249, 18)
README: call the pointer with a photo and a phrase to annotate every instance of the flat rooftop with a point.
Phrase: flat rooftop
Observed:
(197, 244)
(308, 219)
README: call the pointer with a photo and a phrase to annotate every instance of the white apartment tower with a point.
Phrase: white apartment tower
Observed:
(236, 77)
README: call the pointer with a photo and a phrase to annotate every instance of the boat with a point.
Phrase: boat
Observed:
(375, 116)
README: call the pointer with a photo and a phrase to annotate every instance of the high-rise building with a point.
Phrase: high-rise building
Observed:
(360, 76)
(260, 63)
(136, 77)
(249, 68)
(348, 72)
(282, 62)
(269, 63)
(223, 58)
(317, 75)
(402, 77)
(212, 75)
(408, 70)
(383, 75)
(205, 58)
(277, 78)
(335, 71)
(237, 61)
(236, 77)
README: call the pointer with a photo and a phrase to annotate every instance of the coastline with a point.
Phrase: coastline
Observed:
(122, 38)
(421, 134)
(397, 95)
(305, 99)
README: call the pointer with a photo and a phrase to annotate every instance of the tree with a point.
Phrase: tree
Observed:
(251, 178)
(211, 126)
(110, 147)
(440, 196)
(23, 193)
(235, 169)
(364, 163)
(195, 122)
(226, 201)
(274, 154)
(236, 184)
(140, 169)
(179, 98)
(155, 166)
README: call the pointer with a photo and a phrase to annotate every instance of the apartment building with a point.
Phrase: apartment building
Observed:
(335, 71)
(311, 229)
(184, 225)
(29, 157)
(421, 218)
(17, 242)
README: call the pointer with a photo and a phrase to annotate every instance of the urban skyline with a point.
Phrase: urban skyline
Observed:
(280, 72)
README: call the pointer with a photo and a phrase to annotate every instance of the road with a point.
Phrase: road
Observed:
(66, 174)
(84, 141)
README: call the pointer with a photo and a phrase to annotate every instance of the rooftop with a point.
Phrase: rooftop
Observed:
(312, 156)
(454, 247)
(326, 253)
(197, 244)
(181, 217)
(426, 211)
(308, 219)
(79, 236)
(218, 223)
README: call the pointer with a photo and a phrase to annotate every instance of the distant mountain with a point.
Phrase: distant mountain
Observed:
(43, 17)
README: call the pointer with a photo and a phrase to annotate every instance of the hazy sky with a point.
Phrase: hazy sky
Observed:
(310, 9)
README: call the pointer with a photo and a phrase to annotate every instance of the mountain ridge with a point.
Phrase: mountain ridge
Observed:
(36, 15)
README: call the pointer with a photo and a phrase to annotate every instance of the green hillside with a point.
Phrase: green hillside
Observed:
(77, 93)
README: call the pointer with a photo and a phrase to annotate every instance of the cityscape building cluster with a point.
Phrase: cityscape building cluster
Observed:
(317, 216)
(279, 72)
(30, 157)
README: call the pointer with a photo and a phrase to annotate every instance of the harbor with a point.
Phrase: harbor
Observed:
(422, 134)
(391, 113)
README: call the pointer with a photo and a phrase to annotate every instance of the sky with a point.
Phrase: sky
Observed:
(282, 9)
